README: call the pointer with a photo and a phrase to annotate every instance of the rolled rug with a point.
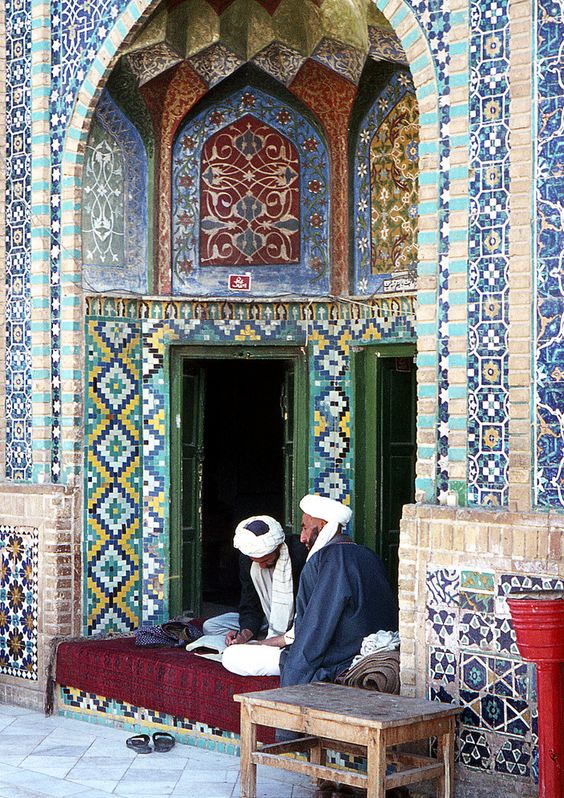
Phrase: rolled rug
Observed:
(378, 671)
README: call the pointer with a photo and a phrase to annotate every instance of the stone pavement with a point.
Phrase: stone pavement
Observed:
(60, 757)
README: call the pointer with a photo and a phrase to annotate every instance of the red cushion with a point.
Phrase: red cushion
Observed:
(168, 680)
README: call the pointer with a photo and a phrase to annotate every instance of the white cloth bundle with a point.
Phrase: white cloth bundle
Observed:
(333, 512)
(381, 641)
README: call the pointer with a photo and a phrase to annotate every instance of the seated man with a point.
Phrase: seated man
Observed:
(344, 596)
(269, 570)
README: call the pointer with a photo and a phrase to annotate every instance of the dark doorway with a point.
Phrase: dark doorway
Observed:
(238, 448)
(243, 464)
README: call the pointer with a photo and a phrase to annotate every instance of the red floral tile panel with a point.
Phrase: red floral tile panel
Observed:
(249, 196)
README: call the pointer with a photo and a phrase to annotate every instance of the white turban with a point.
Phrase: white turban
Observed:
(258, 545)
(335, 513)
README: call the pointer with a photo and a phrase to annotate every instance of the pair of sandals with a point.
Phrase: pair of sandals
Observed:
(141, 743)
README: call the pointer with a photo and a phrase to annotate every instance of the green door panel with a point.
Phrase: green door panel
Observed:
(186, 483)
(385, 396)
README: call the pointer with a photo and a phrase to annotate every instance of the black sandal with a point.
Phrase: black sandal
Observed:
(163, 742)
(139, 743)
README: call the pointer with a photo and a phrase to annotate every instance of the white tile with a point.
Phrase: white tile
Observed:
(10, 791)
(8, 709)
(57, 766)
(154, 763)
(192, 776)
(205, 789)
(102, 747)
(41, 784)
(156, 786)
(95, 793)
(105, 786)
(6, 720)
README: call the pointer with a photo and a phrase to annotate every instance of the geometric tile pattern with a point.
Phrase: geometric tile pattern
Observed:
(474, 661)
(74, 703)
(435, 19)
(385, 197)
(18, 240)
(113, 485)
(205, 247)
(18, 601)
(549, 240)
(78, 30)
(488, 254)
(115, 329)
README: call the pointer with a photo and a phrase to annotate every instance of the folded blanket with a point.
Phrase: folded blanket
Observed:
(378, 671)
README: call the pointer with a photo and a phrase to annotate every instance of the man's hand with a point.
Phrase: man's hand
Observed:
(278, 641)
(233, 638)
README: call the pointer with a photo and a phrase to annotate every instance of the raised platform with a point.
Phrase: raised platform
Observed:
(114, 681)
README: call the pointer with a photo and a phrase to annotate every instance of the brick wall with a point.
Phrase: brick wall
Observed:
(54, 511)
(457, 566)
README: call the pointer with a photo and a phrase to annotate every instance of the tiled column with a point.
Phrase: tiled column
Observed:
(520, 256)
(2, 238)
(40, 241)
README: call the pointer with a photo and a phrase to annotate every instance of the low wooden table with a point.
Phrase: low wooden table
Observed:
(351, 721)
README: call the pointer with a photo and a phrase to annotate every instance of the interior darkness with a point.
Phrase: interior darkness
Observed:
(243, 464)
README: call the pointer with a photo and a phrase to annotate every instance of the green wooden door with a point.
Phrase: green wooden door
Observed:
(385, 449)
(186, 482)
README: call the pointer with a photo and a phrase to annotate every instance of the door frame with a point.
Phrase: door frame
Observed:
(177, 356)
(368, 459)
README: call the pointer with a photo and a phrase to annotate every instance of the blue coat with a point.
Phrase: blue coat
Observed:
(344, 595)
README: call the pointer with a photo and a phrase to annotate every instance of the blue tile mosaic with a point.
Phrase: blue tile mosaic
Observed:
(481, 669)
(442, 665)
(514, 758)
(18, 240)
(488, 254)
(19, 577)
(113, 485)
(474, 750)
(549, 239)
(443, 585)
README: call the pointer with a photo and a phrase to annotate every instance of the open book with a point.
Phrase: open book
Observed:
(208, 646)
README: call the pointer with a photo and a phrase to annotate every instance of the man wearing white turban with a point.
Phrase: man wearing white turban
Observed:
(269, 568)
(344, 595)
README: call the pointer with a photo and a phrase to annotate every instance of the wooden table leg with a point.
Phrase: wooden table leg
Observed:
(445, 751)
(376, 764)
(248, 771)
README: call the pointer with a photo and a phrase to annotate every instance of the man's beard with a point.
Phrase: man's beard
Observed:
(313, 537)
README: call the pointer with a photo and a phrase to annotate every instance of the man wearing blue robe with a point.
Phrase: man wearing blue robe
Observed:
(344, 595)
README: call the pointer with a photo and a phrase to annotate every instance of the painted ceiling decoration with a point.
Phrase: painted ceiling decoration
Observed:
(250, 189)
(216, 37)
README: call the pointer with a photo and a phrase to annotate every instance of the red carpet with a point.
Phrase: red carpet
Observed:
(167, 680)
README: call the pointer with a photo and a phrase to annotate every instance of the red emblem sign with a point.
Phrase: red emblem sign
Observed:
(239, 282)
